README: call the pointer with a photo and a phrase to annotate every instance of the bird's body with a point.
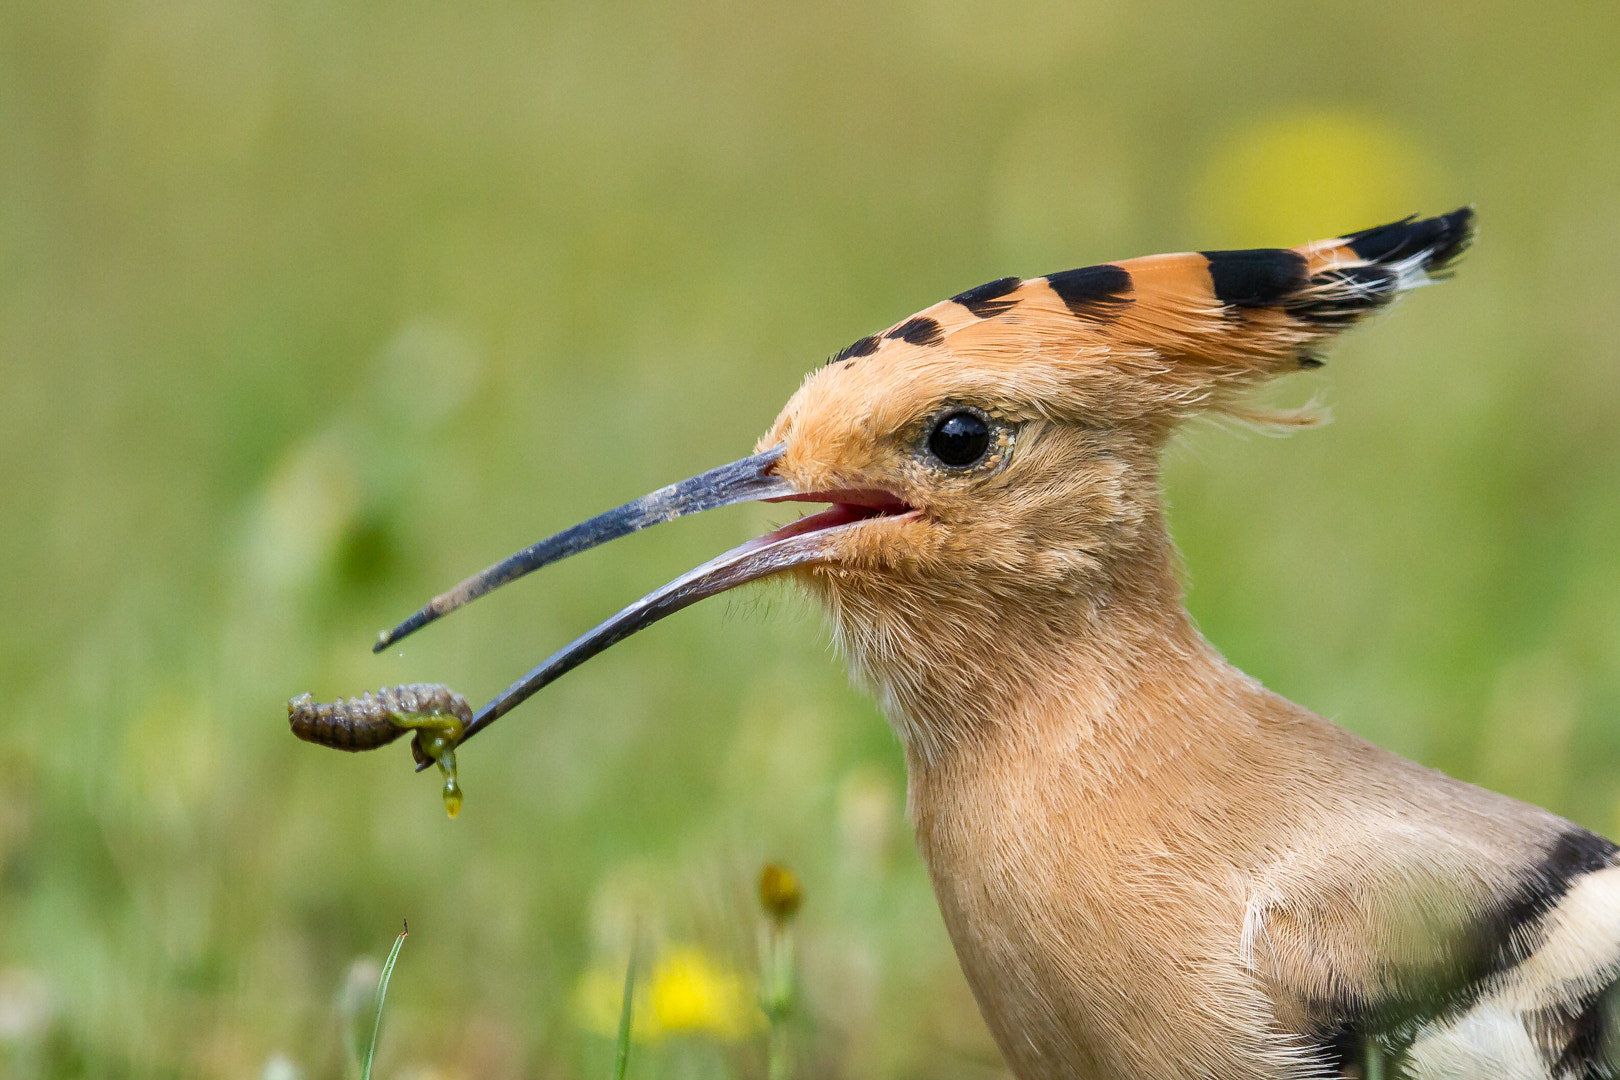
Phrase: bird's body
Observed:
(1150, 865)
(1179, 874)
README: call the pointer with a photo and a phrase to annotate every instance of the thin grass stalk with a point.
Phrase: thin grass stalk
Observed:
(382, 997)
(1375, 1059)
(621, 1057)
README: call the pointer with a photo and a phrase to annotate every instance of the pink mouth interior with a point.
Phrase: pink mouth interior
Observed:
(847, 508)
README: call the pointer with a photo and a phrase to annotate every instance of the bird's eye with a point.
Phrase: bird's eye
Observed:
(959, 439)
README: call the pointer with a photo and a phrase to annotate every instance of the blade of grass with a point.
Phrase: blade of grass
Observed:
(1375, 1060)
(621, 1060)
(382, 996)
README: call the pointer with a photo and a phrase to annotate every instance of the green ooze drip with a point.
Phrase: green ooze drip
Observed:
(436, 736)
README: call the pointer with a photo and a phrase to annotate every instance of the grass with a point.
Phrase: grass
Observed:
(382, 1000)
(621, 1050)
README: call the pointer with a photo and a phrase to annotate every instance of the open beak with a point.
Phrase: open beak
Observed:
(748, 480)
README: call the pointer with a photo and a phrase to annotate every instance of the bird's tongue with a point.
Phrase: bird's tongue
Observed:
(840, 513)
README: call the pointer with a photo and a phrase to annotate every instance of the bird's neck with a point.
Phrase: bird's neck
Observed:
(1061, 753)
(966, 667)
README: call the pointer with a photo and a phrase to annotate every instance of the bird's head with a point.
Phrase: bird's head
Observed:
(992, 462)
(975, 455)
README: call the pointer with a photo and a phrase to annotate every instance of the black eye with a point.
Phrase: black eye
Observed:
(960, 439)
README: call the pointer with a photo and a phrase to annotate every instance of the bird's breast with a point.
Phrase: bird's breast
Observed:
(1097, 944)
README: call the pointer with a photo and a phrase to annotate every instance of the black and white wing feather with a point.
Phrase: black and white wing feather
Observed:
(1483, 944)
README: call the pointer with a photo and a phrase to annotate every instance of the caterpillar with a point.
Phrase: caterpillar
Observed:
(372, 720)
(435, 715)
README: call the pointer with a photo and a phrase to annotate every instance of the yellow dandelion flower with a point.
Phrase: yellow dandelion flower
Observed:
(1295, 175)
(693, 993)
(687, 992)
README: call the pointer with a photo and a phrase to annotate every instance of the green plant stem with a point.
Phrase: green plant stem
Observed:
(776, 999)
(382, 996)
(779, 1063)
(1375, 1059)
(621, 1059)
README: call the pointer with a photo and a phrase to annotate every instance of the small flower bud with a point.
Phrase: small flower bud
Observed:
(779, 892)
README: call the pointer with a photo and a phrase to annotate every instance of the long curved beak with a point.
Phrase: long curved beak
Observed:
(748, 480)
(794, 545)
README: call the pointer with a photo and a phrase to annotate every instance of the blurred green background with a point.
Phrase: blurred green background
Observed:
(308, 310)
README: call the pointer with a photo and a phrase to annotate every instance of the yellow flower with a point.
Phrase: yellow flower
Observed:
(1296, 175)
(688, 992)
(692, 993)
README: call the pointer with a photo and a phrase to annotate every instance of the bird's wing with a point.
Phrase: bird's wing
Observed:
(1447, 950)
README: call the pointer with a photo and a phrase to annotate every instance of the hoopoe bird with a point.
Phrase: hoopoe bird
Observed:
(1149, 864)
